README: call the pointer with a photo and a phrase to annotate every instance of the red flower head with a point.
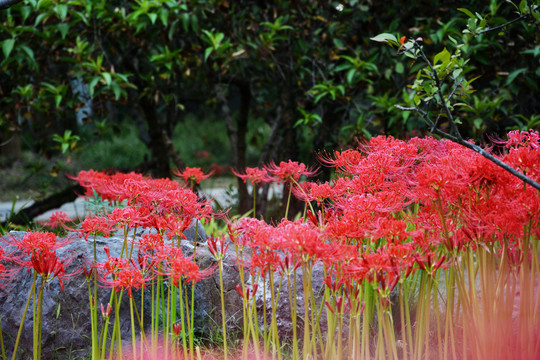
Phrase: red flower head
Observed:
(290, 171)
(58, 219)
(94, 226)
(191, 175)
(34, 242)
(255, 175)
(518, 138)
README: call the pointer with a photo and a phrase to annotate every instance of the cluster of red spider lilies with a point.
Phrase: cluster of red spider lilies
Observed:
(423, 243)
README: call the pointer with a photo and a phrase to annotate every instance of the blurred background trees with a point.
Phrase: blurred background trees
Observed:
(167, 83)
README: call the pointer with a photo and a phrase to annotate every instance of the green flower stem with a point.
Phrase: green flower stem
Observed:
(449, 339)
(166, 322)
(368, 315)
(307, 351)
(266, 337)
(331, 319)
(223, 319)
(30, 295)
(93, 308)
(273, 327)
(105, 330)
(182, 320)
(133, 338)
(288, 200)
(189, 325)
(2, 341)
(292, 305)
(239, 255)
(37, 320)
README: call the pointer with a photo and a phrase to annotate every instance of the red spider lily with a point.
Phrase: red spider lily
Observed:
(288, 264)
(34, 242)
(57, 219)
(321, 192)
(342, 160)
(90, 180)
(7, 274)
(429, 262)
(217, 252)
(262, 262)
(150, 243)
(290, 171)
(181, 202)
(95, 226)
(106, 313)
(191, 175)
(250, 292)
(255, 175)
(177, 328)
(242, 233)
(131, 216)
(177, 266)
(175, 225)
(518, 138)
(121, 273)
(49, 266)
(300, 238)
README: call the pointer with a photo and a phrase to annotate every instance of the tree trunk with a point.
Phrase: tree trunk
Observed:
(289, 149)
(237, 130)
(158, 148)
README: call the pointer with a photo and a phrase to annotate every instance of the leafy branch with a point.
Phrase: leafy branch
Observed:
(432, 83)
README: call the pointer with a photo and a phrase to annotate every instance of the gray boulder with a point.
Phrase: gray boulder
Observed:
(66, 327)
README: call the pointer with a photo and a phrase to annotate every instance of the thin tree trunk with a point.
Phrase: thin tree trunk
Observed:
(158, 148)
(237, 130)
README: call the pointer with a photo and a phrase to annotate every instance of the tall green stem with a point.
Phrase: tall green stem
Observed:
(32, 290)
(223, 319)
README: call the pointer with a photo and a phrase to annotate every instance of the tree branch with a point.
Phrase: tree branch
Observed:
(472, 146)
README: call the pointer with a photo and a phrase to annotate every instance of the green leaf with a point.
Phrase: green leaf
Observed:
(185, 21)
(467, 12)
(400, 68)
(164, 16)
(523, 6)
(7, 46)
(40, 18)
(338, 43)
(385, 37)
(207, 53)
(194, 20)
(514, 74)
(63, 28)
(92, 85)
(57, 100)
(441, 57)
(478, 123)
(153, 17)
(350, 76)
(61, 10)
(25, 11)
(117, 91)
(107, 77)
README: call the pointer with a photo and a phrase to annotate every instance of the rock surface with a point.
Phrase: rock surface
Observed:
(66, 329)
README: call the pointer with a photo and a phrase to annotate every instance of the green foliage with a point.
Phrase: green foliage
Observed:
(118, 148)
(310, 66)
(446, 76)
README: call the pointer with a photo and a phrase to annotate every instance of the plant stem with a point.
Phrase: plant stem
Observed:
(32, 290)
(223, 320)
